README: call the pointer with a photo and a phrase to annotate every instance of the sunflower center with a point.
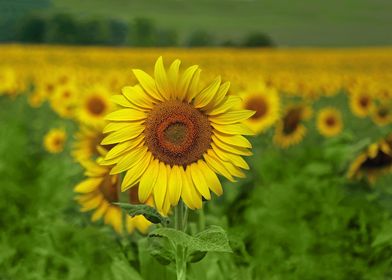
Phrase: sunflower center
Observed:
(383, 112)
(96, 106)
(364, 101)
(259, 105)
(291, 120)
(58, 141)
(330, 121)
(177, 133)
(108, 188)
(381, 160)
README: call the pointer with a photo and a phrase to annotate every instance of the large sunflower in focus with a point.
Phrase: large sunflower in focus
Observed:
(265, 102)
(290, 130)
(98, 192)
(172, 137)
(376, 160)
(94, 105)
(329, 122)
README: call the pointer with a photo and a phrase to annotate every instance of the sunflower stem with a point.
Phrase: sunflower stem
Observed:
(180, 221)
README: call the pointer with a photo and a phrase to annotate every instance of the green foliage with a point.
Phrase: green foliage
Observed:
(200, 38)
(258, 40)
(148, 212)
(32, 29)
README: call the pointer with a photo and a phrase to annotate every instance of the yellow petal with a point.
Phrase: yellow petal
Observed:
(190, 196)
(194, 86)
(113, 126)
(93, 203)
(124, 147)
(219, 97)
(147, 83)
(148, 180)
(229, 102)
(232, 117)
(161, 79)
(137, 97)
(101, 210)
(199, 181)
(232, 149)
(173, 77)
(124, 134)
(210, 177)
(205, 96)
(237, 128)
(185, 81)
(134, 174)
(129, 160)
(126, 115)
(160, 186)
(235, 140)
(216, 165)
(226, 156)
(121, 100)
(175, 185)
(88, 185)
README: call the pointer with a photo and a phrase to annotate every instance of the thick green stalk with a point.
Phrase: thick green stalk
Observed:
(180, 217)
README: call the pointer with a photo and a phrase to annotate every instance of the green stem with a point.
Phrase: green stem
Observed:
(180, 219)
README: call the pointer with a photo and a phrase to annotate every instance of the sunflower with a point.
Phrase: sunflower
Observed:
(64, 99)
(382, 114)
(361, 103)
(329, 122)
(95, 104)
(265, 102)
(375, 161)
(99, 191)
(290, 130)
(54, 140)
(172, 138)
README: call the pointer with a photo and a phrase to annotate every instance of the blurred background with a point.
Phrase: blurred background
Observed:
(197, 22)
(317, 200)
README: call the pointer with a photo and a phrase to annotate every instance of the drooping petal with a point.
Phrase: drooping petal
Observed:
(210, 177)
(230, 148)
(147, 181)
(175, 185)
(216, 165)
(227, 156)
(88, 185)
(237, 128)
(199, 181)
(191, 197)
(160, 187)
(232, 117)
(235, 140)
(133, 175)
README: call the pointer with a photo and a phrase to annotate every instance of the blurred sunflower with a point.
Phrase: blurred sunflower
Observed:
(329, 122)
(265, 102)
(8, 80)
(87, 142)
(172, 138)
(54, 140)
(372, 163)
(361, 102)
(94, 105)
(98, 192)
(382, 114)
(290, 130)
(64, 99)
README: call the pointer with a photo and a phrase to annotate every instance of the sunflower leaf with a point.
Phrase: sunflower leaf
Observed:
(213, 239)
(148, 212)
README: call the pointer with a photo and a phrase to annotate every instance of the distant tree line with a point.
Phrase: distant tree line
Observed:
(141, 32)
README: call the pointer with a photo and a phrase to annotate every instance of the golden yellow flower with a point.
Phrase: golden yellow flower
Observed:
(265, 102)
(372, 163)
(95, 104)
(54, 140)
(171, 136)
(329, 122)
(382, 114)
(98, 192)
(361, 102)
(290, 130)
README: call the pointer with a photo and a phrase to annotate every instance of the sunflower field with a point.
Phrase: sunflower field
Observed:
(207, 163)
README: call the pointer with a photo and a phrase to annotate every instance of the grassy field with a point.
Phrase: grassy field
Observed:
(289, 23)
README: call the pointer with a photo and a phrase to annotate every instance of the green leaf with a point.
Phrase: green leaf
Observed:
(161, 250)
(213, 239)
(148, 212)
